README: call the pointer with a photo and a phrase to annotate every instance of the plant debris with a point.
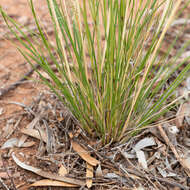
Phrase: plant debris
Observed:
(150, 160)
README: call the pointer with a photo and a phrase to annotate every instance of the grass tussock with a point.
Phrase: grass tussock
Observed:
(109, 72)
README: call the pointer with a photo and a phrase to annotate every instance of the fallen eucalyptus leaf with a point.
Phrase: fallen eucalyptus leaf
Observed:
(142, 159)
(48, 182)
(35, 133)
(47, 174)
(28, 144)
(84, 154)
(148, 141)
(89, 175)
(31, 125)
(10, 143)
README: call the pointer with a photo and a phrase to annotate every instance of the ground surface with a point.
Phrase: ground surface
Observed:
(13, 118)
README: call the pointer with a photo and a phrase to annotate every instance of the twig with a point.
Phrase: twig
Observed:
(142, 175)
(169, 182)
(172, 183)
(180, 159)
(20, 104)
(3, 185)
(10, 177)
(12, 115)
(163, 134)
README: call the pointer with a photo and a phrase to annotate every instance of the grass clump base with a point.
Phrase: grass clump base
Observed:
(106, 54)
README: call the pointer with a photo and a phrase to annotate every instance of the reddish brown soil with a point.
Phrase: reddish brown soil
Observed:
(12, 64)
(12, 68)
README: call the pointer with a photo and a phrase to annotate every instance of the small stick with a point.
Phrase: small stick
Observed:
(140, 174)
(10, 177)
(169, 182)
(180, 159)
(162, 132)
(3, 185)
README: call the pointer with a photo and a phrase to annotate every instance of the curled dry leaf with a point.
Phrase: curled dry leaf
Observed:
(48, 182)
(47, 174)
(10, 143)
(89, 175)
(146, 142)
(31, 125)
(84, 154)
(13, 142)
